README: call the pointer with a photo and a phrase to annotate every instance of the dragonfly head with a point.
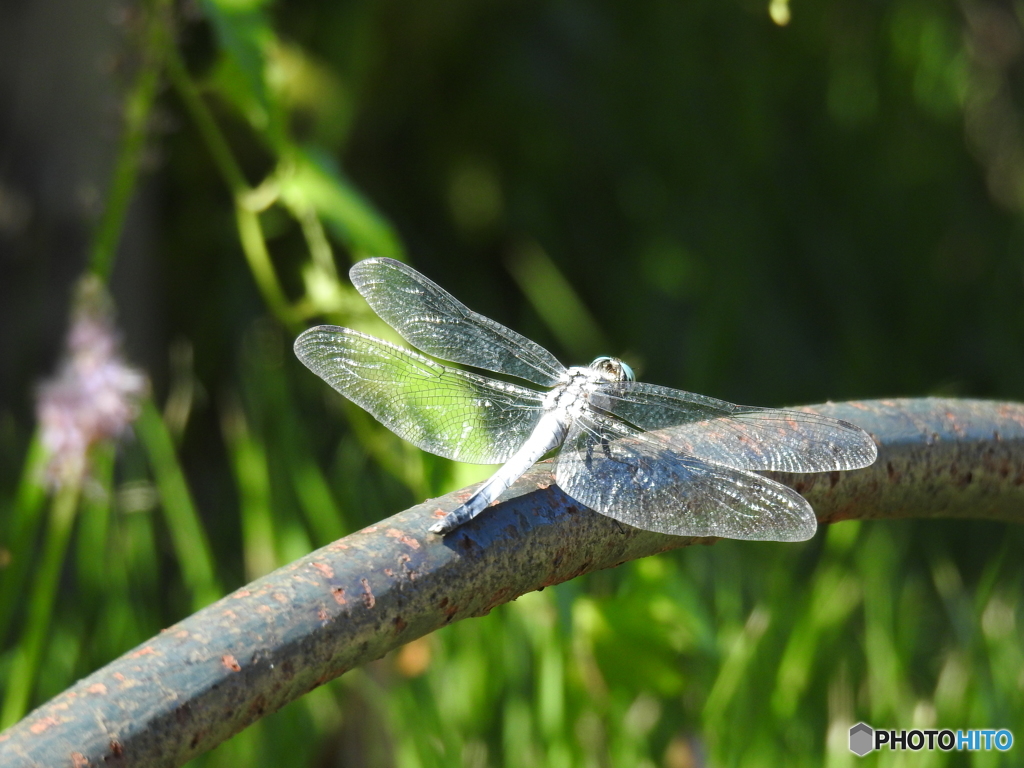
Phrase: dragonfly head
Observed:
(613, 369)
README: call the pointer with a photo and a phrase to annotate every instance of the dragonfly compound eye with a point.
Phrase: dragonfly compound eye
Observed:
(613, 369)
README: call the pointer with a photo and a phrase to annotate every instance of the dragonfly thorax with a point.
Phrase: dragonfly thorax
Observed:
(572, 396)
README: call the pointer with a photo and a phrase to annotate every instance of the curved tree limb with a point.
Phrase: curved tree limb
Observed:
(221, 669)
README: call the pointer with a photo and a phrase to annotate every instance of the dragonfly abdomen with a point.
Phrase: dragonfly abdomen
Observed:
(546, 436)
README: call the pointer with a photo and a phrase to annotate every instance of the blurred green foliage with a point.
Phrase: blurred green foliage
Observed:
(769, 204)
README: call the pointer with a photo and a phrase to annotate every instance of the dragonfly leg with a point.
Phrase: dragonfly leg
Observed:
(606, 449)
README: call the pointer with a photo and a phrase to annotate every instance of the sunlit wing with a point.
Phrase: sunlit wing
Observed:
(739, 436)
(435, 322)
(634, 478)
(452, 413)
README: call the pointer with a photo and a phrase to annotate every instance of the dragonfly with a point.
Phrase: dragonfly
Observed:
(652, 457)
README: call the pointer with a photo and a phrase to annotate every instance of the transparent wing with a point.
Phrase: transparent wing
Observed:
(452, 413)
(633, 477)
(739, 436)
(435, 322)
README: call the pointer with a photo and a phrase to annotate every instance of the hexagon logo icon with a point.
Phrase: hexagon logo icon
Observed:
(862, 738)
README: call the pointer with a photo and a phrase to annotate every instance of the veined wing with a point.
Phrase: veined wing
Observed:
(739, 436)
(449, 412)
(633, 477)
(435, 322)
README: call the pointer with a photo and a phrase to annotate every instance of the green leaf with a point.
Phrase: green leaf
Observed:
(313, 179)
(240, 76)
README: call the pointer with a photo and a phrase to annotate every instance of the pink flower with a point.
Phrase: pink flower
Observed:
(94, 395)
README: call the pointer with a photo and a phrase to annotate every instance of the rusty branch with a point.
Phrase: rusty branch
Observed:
(209, 676)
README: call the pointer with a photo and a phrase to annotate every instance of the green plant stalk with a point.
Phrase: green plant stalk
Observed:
(28, 504)
(40, 609)
(137, 109)
(249, 462)
(553, 297)
(94, 525)
(315, 498)
(254, 246)
(316, 241)
(313, 492)
(250, 233)
(190, 544)
(733, 668)
(216, 144)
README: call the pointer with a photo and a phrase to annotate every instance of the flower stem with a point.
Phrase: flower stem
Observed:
(189, 539)
(20, 531)
(25, 663)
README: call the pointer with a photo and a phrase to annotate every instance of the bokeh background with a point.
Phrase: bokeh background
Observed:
(774, 204)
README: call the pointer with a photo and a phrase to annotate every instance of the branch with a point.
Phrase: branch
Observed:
(209, 676)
